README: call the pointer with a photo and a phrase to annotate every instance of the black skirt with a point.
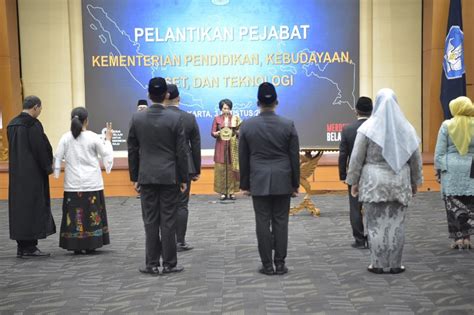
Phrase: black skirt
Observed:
(84, 223)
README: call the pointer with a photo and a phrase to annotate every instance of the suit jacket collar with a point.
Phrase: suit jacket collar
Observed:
(172, 107)
(156, 106)
(269, 113)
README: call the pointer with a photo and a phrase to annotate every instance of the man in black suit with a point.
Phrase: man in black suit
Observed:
(349, 133)
(159, 170)
(193, 146)
(270, 172)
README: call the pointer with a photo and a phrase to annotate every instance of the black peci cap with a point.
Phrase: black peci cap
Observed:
(173, 90)
(364, 105)
(142, 102)
(157, 86)
(266, 93)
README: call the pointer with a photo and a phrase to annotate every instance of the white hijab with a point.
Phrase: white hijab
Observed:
(389, 128)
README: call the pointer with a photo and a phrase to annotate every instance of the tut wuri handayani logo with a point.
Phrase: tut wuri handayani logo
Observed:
(453, 61)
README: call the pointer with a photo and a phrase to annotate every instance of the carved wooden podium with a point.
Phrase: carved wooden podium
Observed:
(308, 162)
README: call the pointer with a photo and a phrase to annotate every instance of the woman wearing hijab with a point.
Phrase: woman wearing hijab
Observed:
(454, 162)
(225, 128)
(84, 224)
(385, 170)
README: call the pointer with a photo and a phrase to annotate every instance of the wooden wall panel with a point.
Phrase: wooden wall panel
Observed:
(435, 14)
(10, 91)
(468, 25)
(435, 18)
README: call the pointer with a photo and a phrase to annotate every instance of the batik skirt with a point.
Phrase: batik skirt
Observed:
(460, 213)
(386, 233)
(225, 185)
(84, 223)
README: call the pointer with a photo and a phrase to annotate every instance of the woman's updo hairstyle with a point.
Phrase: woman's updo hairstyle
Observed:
(78, 116)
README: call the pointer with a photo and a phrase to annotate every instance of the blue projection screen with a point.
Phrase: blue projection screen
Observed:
(215, 49)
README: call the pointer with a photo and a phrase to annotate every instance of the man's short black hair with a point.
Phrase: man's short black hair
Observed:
(157, 99)
(31, 101)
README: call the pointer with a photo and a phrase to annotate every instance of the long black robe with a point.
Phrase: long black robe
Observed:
(30, 161)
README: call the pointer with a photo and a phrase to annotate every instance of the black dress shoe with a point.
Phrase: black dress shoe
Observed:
(177, 268)
(266, 270)
(397, 270)
(375, 270)
(281, 269)
(154, 271)
(31, 254)
(181, 247)
(359, 245)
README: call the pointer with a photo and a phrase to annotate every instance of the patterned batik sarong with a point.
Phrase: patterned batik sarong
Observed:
(84, 223)
(460, 214)
(220, 179)
(386, 233)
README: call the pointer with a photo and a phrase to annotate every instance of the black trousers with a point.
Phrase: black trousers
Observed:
(182, 216)
(355, 214)
(272, 211)
(159, 217)
(27, 245)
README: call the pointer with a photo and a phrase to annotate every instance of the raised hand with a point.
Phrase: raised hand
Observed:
(109, 132)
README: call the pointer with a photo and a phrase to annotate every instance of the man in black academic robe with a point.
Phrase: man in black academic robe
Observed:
(30, 162)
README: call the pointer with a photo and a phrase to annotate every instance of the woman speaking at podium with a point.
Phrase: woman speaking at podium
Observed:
(225, 128)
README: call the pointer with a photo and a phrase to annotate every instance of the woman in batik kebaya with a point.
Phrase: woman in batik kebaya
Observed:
(385, 170)
(225, 129)
(454, 162)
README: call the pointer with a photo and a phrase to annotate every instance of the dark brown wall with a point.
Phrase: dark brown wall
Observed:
(10, 89)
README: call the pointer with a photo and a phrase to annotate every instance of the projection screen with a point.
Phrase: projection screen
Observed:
(217, 49)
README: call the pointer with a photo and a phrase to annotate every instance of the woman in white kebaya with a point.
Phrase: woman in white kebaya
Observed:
(84, 223)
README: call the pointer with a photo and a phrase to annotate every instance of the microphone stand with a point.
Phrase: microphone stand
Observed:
(226, 167)
(226, 160)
